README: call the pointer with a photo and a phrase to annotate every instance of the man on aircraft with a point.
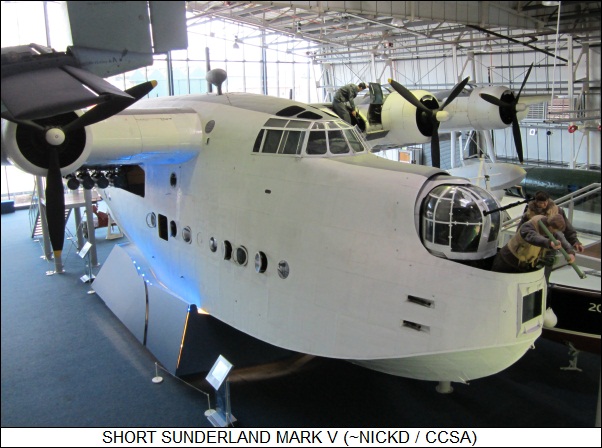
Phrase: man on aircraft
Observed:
(528, 246)
(542, 204)
(344, 95)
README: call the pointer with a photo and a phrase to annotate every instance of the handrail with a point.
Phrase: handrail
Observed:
(569, 198)
(34, 207)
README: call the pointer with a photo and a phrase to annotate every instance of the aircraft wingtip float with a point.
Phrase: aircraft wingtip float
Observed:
(273, 217)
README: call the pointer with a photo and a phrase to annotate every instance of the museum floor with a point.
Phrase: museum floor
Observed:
(68, 362)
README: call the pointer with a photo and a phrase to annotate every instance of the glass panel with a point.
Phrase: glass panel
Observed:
(157, 72)
(272, 140)
(198, 83)
(442, 234)
(276, 123)
(428, 231)
(318, 126)
(443, 210)
(430, 208)
(465, 209)
(258, 140)
(532, 306)
(180, 77)
(236, 79)
(298, 124)
(494, 230)
(465, 238)
(338, 144)
(316, 143)
(291, 142)
(253, 80)
(355, 144)
(272, 68)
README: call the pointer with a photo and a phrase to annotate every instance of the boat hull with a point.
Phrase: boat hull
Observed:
(452, 366)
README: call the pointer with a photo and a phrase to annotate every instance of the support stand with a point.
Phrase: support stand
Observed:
(221, 416)
(444, 387)
(157, 379)
(574, 353)
(111, 235)
(88, 276)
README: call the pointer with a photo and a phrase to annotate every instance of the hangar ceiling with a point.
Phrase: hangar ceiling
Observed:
(347, 31)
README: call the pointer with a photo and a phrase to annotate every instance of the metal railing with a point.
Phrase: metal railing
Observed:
(567, 200)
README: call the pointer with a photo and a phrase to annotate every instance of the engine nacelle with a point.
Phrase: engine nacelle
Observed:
(25, 147)
(131, 138)
(404, 122)
(473, 112)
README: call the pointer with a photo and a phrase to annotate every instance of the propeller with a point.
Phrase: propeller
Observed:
(431, 116)
(59, 139)
(511, 108)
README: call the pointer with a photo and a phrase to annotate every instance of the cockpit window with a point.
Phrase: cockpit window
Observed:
(316, 144)
(455, 225)
(298, 124)
(356, 145)
(337, 143)
(291, 142)
(319, 138)
(276, 123)
(272, 140)
(258, 141)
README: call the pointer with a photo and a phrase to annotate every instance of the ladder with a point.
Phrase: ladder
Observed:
(36, 230)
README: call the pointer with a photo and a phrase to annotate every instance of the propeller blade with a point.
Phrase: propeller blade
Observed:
(455, 92)
(493, 100)
(517, 139)
(407, 95)
(141, 90)
(106, 110)
(55, 202)
(523, 84)
(435, 150)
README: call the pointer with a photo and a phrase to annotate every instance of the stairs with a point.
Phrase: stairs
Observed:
(36, 230)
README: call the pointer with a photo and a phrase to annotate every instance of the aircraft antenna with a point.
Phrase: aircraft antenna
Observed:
(217, 76)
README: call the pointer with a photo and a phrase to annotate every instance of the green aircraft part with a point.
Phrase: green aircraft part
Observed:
(559, 182)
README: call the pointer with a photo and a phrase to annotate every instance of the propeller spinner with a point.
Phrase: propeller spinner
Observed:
(54, 140)
(511, 108)
(432, 115)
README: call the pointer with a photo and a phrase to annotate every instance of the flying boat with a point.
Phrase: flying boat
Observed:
(273, 217)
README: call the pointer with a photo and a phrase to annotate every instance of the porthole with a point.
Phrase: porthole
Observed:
(151, 220)
(261, 262)
(227, 250)
(187, 235)
(173, 228)
(212, 244)
(283, 269)
(241, 255)
(173, 180)
(209, 126)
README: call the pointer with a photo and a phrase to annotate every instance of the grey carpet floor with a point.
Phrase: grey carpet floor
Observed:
(68, 362)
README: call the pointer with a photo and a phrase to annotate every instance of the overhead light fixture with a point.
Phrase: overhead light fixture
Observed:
(487, 48)
(550, 3)
(236, 46)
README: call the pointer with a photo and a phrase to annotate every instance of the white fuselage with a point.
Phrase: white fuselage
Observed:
(361, 284)
(346, 226)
